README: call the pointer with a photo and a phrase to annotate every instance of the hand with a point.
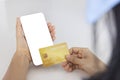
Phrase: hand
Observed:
(83, 59)
(52, 30)
(21, 44)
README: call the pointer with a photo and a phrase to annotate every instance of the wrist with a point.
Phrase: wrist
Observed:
(22, 54)
(102, 66)
(98, 67)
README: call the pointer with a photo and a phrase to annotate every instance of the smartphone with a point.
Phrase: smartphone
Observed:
(37, 35)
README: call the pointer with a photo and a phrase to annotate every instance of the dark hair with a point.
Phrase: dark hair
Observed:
(113, 71)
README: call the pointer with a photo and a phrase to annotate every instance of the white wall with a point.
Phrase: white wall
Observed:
(67, 15)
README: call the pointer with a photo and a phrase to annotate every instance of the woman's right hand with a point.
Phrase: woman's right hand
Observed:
(83, 59)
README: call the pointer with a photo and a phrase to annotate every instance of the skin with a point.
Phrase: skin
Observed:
(79, 58)
(83, 59)
(19, 65)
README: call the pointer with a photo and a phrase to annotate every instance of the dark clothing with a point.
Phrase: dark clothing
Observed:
(113, 72)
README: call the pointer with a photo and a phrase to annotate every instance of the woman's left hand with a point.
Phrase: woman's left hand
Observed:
(21, 44)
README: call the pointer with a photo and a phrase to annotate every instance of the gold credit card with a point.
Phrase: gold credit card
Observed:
(53, 54)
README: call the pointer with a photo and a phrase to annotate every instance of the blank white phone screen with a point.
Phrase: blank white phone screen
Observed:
(37, 34)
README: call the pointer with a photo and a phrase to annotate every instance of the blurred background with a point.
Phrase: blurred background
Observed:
(72, 26)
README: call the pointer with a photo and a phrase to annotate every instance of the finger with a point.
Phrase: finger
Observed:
(52, 33)
(53, 36)
(19, 31)
(82, 52)
(70, 69)
(70, 64)
(70, 51)
(79, 51)
(51, 28)
(74, 50)
(67, 67)
(66, 56)
(74, 59)
(48, 24)
(64, 64)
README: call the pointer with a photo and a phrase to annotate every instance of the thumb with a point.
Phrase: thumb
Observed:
(74, 59)
(19, 31)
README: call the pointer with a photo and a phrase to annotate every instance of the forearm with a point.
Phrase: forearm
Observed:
(18, 68)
